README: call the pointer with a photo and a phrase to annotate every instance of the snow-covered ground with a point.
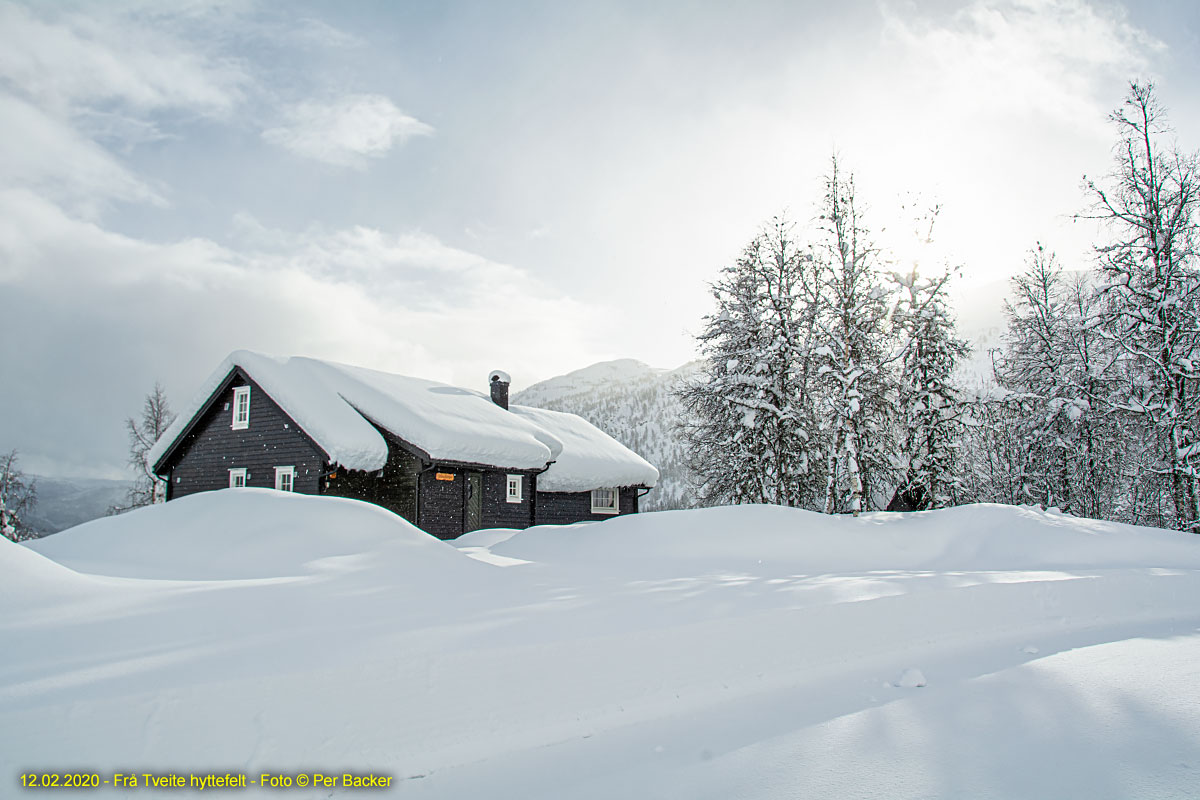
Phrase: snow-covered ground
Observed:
(750, 652)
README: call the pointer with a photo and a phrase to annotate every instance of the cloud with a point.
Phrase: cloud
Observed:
(111, 55)
(96, 314)
(41, 152)
(74, 86)
(122, 131)
(346, 131)
(1041, 56)
(1005, 106)
(318, 33)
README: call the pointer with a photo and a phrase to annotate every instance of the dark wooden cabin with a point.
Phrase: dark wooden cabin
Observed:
(241, 435)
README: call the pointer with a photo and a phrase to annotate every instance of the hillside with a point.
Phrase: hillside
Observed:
(634, 403)
(65, 502)
(746, 652)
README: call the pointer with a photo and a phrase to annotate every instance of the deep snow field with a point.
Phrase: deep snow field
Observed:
(750, 652)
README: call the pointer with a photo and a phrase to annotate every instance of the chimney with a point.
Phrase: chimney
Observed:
(498, 381)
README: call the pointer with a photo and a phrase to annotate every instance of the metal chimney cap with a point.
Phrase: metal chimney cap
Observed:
(498, 375)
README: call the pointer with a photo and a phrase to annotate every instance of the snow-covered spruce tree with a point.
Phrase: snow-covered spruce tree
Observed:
(855, 365)
(719, 427)
(148, 488)
(929, 408)
(750, 412)
(1150, 292)
(18, 495)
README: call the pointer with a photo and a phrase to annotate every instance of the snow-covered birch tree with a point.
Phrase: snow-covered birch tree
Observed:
(1150, 291)
(1048, 435)
(1033, 371)
(929, 407)
(992, 450)
(157, 416)
(18, 495)
(855, 359)
(1105, 454)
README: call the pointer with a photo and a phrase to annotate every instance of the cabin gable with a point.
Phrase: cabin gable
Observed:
(212, 446)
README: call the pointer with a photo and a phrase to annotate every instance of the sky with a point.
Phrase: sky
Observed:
(443, 189)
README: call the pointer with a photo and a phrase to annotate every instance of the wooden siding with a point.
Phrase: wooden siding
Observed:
(497, 511)
(443, 504)
(563, 508)
(202, 462)
(395, 489)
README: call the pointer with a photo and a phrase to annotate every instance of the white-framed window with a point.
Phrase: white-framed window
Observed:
(606, 501)
(284, 478)
(241, 408)
(237, 478)
(514, 493)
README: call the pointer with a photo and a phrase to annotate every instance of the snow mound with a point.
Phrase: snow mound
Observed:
(773, 538)
(236, 534)
(486, 537)
(375, 647)
(29, 577)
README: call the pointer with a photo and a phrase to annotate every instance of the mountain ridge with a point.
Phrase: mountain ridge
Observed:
(635, 404)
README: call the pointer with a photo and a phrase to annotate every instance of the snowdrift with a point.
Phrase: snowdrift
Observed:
(250, 533)
(751, 652)
(772, 538)
(27, 578)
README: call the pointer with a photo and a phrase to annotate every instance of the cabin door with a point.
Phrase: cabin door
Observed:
(474, 504)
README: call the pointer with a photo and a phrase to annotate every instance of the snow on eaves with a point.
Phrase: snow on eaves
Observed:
(333, 402)
(590, 458)
(447, 422)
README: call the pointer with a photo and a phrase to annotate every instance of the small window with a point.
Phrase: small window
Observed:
(514, 488)
(237, 478)
(284, 477)
(241, 408)
(604, 501)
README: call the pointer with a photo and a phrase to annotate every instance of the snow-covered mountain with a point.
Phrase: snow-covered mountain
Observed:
(635, 404)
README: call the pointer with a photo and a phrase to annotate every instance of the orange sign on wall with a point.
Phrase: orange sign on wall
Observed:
(444, 476)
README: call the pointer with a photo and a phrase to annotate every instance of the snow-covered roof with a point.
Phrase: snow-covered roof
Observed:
(333, 402)
(590, 458)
